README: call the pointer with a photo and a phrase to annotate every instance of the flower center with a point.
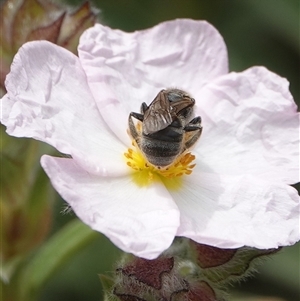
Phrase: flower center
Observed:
(147, 173)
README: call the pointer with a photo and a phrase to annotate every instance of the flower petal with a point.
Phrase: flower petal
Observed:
(235, 211)
(132, 68)
(142, 221)
(49, 99)
(250, 126)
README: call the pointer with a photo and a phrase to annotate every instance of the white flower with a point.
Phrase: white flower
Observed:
(238, 194)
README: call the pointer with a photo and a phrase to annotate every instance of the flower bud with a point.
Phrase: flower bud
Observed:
(226, 265)
(27, 20)
(164, 278)
(187, 271)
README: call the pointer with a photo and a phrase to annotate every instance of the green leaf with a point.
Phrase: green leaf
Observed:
(52, 256)
(7, 268)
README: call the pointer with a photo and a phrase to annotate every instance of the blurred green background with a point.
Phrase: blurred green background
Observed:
(257, 32)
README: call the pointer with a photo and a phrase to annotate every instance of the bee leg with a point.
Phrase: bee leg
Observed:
(144, 108)
(193, 125)
(192, 139)
(133, 131)
(137, 116)
(194, 130)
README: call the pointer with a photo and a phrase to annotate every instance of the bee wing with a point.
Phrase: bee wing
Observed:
(182, 107)
(158, 115)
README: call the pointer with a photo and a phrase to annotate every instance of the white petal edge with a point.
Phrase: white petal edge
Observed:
(250, 126)
(234, 211)
(49, 99)
(142, 221)
(133, 67)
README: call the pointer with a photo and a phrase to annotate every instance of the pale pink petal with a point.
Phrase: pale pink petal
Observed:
(49, 99)
(250, 126)
(139, 220)
(235, 211)
(131, 68)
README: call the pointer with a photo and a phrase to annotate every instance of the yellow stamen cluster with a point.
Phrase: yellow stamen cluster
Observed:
(148, 172)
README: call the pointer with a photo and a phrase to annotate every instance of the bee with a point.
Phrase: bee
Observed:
(168, 127)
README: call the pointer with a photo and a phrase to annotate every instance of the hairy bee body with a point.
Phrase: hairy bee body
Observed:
(162, 148)
(168, 129)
